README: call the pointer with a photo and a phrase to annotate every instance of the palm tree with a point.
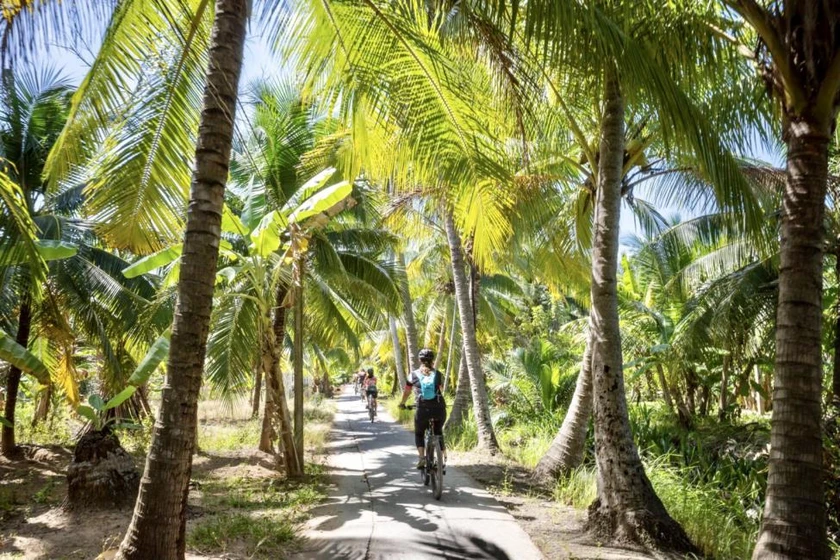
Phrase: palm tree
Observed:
(35, 106)
(481, 406)
(158, 525)
(798, 58)
(287, 137)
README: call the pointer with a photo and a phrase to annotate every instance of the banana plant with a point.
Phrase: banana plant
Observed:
(96, 411)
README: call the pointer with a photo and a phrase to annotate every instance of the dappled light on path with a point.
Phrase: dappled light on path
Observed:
(378, 507)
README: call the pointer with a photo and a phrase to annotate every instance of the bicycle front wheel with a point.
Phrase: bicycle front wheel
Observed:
(437, 470)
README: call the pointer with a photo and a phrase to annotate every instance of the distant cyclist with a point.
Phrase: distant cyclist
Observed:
(369, 383)
(427, 383)
(360, 381)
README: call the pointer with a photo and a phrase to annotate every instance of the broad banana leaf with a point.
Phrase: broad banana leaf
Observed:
(153, 261)
(20, 357)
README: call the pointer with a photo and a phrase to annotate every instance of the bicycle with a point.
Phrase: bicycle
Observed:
(432, 473)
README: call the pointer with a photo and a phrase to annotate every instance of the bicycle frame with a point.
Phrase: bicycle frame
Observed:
(432, 472)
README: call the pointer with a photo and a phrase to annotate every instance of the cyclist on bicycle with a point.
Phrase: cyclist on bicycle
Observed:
(427, 408)
(369, 383)
(360, 381)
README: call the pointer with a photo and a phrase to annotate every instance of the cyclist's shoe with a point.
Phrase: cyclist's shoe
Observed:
(421, 464)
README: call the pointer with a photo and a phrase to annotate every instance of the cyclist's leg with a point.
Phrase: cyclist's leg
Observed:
(440, 419)
(420, 423)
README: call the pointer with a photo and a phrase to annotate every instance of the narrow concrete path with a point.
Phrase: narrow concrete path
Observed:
(379, 508)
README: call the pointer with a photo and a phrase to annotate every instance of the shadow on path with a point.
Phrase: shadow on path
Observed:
(378, 507)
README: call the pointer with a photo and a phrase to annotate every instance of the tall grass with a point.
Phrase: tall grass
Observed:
(717, 526)
(526, 443)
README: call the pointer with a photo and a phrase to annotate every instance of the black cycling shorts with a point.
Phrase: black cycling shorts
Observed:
(425, 411)
(372, 391)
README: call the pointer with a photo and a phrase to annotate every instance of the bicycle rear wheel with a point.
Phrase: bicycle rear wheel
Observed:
(437, 470)
(430, 458)
(371, 411)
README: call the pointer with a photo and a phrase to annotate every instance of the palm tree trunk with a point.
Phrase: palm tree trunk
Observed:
(9, 446)
(759, 399)
(670, 395)
(463, 397)
(723, 403)
(835, 378)
(481, 405)
(298, 360)
(408, 317)
(666, 391)
(626, 507)
(441, 340)
(278, 387)
(157, 529)
(43, 408)
(794, 521)
(451, 347)
(567, 449)
(267, 433)
(395, 341)
(255, 397)
(691, 392)
(706, 395)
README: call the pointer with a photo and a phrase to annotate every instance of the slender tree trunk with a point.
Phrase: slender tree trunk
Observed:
(441, 341)
(567, 449)
(481, 405)
(142, 398)
(759, 400)
(463, 398)
(157, 529)
(267, 433)
(691, 392)
(43, 408)
(255, 398)
(674, 399)
(9, 446)
(706, 396)
(626, 508)
(794, 522)
(395, 341)
(408, 317)
(835, 379)
(723, 403)
(452, 332)
(277, 387)
(666, 391)
(298, 360)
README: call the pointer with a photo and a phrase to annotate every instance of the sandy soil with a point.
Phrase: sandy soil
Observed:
(555, 528)
(34, 525)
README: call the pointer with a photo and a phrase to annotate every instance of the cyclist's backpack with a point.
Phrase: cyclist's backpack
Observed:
(428, 386)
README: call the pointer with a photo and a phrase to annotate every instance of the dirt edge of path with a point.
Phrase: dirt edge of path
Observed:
(556, 529)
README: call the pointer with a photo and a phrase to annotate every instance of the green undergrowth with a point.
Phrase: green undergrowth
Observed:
(258, 518)
(720, 530)
(57, 430)
(229, 436)
(224, 434)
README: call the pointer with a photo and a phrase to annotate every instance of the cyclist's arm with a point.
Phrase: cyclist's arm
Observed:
(407, 391)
